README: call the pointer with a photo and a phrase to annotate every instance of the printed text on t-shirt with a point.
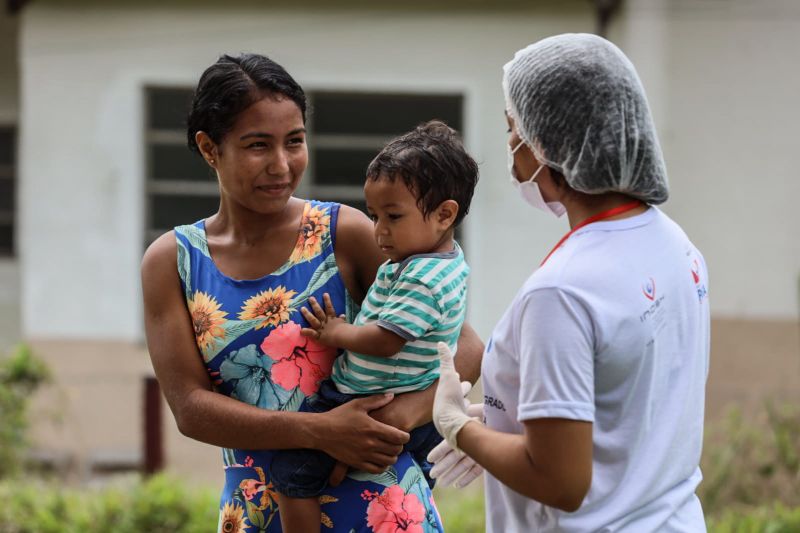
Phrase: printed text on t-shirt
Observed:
(494, 402)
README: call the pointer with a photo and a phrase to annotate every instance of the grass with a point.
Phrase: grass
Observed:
(751, 469)
(462, 510)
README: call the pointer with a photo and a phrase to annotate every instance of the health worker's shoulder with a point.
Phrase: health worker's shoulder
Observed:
(604, 249)
(664, 223)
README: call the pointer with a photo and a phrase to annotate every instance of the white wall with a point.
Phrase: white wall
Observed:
(84, 71)
(724, 101)
(726, 85)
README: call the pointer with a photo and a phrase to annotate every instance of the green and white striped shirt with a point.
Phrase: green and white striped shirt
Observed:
(423, 300)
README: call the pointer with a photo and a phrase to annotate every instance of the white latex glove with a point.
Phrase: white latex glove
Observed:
(454, 467)
(449, 411)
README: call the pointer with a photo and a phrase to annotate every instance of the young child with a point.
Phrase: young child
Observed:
(418, 189)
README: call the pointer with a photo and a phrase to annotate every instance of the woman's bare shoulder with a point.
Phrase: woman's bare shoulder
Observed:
(357, 254)
(160, 256)
(353, 219)
(354, 233)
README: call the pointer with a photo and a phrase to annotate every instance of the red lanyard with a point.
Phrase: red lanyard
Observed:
(599, 216)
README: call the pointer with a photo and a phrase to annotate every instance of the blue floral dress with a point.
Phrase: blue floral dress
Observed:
(248, 333)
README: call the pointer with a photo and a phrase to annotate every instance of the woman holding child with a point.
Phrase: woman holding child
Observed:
(595, 375)
(223, 300)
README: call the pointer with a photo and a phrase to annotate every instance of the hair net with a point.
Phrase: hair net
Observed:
(577, 102)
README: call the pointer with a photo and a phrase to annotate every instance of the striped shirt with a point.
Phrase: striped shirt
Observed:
(423, 300)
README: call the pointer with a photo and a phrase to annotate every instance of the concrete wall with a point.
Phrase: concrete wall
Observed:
(720, 78)
(723, 80)
(83, 203)
(94, 410)
(723, 83)
(92, 416)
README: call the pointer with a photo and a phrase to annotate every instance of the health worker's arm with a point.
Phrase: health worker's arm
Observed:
(551, 460)
(550, 463)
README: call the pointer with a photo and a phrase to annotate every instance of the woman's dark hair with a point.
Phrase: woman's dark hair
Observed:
(433, 164)
(230, 86)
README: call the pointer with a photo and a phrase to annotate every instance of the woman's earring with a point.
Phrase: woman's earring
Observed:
(211, 161)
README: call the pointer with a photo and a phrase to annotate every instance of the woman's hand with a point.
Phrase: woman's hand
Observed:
(449, 411)
(323, 323)
(352, 436)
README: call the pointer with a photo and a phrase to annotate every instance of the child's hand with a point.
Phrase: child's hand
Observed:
(323, 323)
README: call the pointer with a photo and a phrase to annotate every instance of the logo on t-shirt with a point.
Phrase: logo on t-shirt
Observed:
(649, 289)
(701, 288)
(655, 310)
(695, 271)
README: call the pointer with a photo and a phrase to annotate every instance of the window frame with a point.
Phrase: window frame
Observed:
(8, 172)
(310, 188)
(153, 185)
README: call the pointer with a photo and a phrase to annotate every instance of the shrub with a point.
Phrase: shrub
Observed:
(20, 375)
(160, 504)
(777, 519)
(754, 463)
(462, 510)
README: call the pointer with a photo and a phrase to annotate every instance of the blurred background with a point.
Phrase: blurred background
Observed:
(94, 166)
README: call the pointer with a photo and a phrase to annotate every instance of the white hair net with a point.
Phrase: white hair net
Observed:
(577, 102)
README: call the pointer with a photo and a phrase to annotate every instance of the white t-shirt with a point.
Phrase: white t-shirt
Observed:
(614, 330)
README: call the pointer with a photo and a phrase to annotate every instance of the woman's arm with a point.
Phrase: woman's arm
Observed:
(347, 433)
(357, 255)
(550, 463)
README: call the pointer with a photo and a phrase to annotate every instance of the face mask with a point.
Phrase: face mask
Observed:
(529, 189)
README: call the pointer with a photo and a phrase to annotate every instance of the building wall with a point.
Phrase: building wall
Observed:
(718, 75)
(723, 87)
(94, 409)
(82, 222)
(92, 416)
(725, 114)
(723, 80)
(84, 201)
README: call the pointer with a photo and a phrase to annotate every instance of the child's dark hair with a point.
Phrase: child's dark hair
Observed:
(230, 86)
(433, 164)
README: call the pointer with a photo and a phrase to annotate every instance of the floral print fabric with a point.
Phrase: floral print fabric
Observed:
(248, 334)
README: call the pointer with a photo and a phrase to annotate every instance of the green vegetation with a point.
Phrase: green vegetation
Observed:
(157, 505)
(776, 519)
(751, 469)
(20, 375)
(462, 510)
(752, 463)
